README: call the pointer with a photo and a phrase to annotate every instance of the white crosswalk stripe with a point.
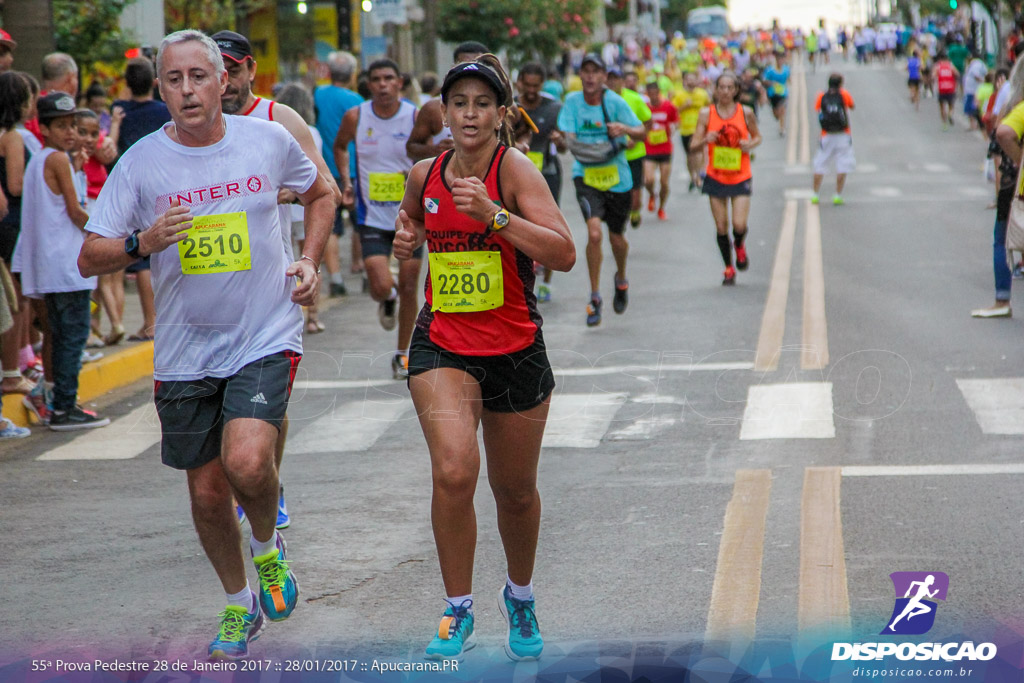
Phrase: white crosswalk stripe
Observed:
(800, 410)
(352, 426)
(998, 404)
(123, 439)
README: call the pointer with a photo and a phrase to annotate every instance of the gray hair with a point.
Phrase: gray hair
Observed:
(298, 97)
(56, 66)
(212, 51)
(342, 65)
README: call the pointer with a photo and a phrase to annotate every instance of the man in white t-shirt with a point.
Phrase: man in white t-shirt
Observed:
(201, 199)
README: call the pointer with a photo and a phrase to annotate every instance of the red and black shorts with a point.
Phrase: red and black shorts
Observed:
(193, 412)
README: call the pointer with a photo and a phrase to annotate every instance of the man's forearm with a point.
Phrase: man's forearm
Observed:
(318, 221)
(102, 255)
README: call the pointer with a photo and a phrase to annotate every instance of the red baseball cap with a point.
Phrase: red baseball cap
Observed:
(5, 39)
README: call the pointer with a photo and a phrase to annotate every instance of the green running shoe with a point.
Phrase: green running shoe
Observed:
(522, 638)
(279, 591)
(454, 634)
(237, 628)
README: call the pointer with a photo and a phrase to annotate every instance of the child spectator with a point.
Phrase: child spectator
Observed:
(47, 256)
(100, 150)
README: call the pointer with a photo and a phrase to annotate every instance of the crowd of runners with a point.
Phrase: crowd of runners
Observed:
(228, 221)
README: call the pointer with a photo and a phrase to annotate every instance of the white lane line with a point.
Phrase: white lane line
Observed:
(353, 426)
(886, 191)
(937, 168)
(815, 330)
(559, 372)
(799, 410)
(125, 438)
(580, 420)
(929, 470)
(643, 429)
(342, 383)
(668, 367)
(998, 404)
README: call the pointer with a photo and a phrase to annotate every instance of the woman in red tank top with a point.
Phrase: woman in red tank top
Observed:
(729, 129)
(477, 355)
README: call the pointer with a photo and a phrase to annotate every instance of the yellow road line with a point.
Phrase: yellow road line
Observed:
(773, 322)
(824, 601)
(793, 126)
(815, 331)
(737, 588)
(805, 149)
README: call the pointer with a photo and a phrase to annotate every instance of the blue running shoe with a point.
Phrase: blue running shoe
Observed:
(522, 639)
(454, 635)
(241, 515)
(279, 591)
(283, 520)
(594, 312)
(237, 628)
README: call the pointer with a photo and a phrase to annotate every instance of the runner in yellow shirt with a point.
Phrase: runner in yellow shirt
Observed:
(689, 101)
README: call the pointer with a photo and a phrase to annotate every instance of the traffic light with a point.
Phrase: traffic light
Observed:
(952, 4)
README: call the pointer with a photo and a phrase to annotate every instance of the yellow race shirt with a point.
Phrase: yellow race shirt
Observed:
(689, 103)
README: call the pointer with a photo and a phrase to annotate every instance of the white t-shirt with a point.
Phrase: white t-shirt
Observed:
(212, 324)
(974, 76)
(47, 251)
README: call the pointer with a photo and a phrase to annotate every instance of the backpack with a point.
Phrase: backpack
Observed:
(833, 117)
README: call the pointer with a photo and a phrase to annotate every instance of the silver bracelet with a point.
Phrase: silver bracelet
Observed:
(308, 258)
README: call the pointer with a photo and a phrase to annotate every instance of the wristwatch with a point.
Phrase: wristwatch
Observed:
(131, 245)
(500, 220)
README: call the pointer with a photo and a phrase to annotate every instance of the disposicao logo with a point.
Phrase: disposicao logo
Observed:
(914, 614)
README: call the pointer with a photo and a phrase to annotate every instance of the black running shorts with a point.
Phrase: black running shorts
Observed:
(377, 242)
(611, 207)
(193, 412)
(509, 383)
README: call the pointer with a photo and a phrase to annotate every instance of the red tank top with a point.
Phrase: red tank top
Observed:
(728, 165)
(512, 326)
(945, 78)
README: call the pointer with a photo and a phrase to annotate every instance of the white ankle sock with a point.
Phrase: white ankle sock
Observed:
(520, 592)
(458, 600)
(242, 598)
(393, 295)
(263, 547)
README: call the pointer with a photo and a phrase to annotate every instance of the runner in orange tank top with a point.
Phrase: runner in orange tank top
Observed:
(730, 131)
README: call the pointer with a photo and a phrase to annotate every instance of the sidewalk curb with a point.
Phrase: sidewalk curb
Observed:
(106, 374)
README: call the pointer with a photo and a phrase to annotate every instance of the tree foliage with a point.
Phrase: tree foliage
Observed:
(209, 15)
(89, 30)
(527, 29)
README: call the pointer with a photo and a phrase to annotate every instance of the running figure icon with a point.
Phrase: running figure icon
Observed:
(915, 607)
(917, 594)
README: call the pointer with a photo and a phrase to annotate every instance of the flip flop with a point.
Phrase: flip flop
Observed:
(140, 338)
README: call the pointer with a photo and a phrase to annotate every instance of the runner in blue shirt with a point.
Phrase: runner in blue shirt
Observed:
(776, 81)
(594, 120)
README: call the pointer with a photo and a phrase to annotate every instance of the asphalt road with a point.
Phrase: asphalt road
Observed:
(662, 416)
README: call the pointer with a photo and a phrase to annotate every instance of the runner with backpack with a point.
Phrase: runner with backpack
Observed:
(833, 107)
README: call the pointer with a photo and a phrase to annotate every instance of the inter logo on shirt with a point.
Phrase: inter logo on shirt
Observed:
(431, 204)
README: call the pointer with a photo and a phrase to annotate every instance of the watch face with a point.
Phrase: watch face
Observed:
(501, 218)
